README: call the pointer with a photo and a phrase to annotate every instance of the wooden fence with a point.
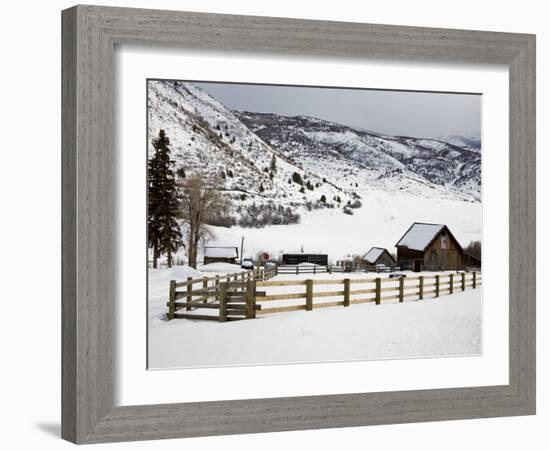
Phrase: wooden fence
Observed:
(354, 291)
(298, 269)
(227, 294)
(238, 296)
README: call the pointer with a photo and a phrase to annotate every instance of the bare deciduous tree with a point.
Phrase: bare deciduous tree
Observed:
(474, 249)
(201, 200)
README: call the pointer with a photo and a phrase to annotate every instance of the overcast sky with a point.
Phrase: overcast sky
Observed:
(416, 114)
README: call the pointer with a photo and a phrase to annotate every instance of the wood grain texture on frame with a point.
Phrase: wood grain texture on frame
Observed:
(89, 37)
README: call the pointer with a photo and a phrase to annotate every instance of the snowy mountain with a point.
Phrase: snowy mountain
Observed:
(471, 142)
(271, 167)
(395, 162)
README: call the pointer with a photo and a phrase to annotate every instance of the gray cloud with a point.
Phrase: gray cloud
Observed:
(416, 114)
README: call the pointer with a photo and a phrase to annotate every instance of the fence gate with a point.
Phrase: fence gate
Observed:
(223, 302)
(237, 301)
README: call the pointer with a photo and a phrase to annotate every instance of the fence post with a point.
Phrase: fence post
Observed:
(346, 291)
(223, 302)
(309, 295)
(378, 282)
(474, 281)
(243, 281)
(463, 281)
(205, 286)
(296, 270)
(217, 285)
(189, 295)
(420, 287)
(401, 288)
(172, 300)
(451, 283)
(250, 299)
(437, 285)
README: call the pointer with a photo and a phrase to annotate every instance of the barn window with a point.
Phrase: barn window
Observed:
(443, 242)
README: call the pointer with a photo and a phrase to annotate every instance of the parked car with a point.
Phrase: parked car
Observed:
(247, 263)
(270, 265)
(382, 268)
(397, 275)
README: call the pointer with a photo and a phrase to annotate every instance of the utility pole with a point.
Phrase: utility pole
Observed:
(242, 247)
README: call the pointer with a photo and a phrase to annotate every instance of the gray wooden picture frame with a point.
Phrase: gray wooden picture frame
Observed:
(90, 34)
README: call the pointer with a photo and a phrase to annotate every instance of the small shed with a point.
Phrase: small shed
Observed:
(220, 254)
(429, 246)
(379, 255)
(320, 259)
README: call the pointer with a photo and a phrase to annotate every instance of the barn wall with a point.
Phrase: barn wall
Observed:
(211, 259)
(405, 256)
(437, 258)
(386, 260)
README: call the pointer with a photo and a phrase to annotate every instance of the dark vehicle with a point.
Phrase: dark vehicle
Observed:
(247, 263)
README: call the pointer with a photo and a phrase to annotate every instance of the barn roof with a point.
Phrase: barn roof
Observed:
(220, 252)
(420, 235)
(373, 254)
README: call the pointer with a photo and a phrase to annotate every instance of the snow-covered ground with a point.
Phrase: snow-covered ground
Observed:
(446, 326)
(380, 222)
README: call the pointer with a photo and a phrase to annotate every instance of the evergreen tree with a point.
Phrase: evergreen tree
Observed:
(297, 178)
(273, 164)
(164, 233)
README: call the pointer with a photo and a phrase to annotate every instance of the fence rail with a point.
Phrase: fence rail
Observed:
(237, 296)
(298, 269)
(229, 294)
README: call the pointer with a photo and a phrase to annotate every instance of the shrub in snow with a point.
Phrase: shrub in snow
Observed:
(297, 178)
(180, 172)
(259, 216)
(221, 220)
(348, 211)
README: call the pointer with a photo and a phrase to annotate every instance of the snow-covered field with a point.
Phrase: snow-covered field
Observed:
(380, 222)
(446, 326)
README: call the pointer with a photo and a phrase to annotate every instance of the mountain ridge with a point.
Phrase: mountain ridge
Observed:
(272, 161)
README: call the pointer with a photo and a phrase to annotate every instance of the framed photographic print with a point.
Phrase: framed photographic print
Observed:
(268, 222)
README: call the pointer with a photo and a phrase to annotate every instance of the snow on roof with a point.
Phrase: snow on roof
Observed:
(220, 252)
(420, 235)
(373, 254)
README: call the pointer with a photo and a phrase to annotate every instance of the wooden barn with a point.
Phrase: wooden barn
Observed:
(430, 246)
(221, 254)
(378, 255)
(320, 259)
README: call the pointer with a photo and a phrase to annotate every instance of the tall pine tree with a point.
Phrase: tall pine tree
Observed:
(164, 233)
